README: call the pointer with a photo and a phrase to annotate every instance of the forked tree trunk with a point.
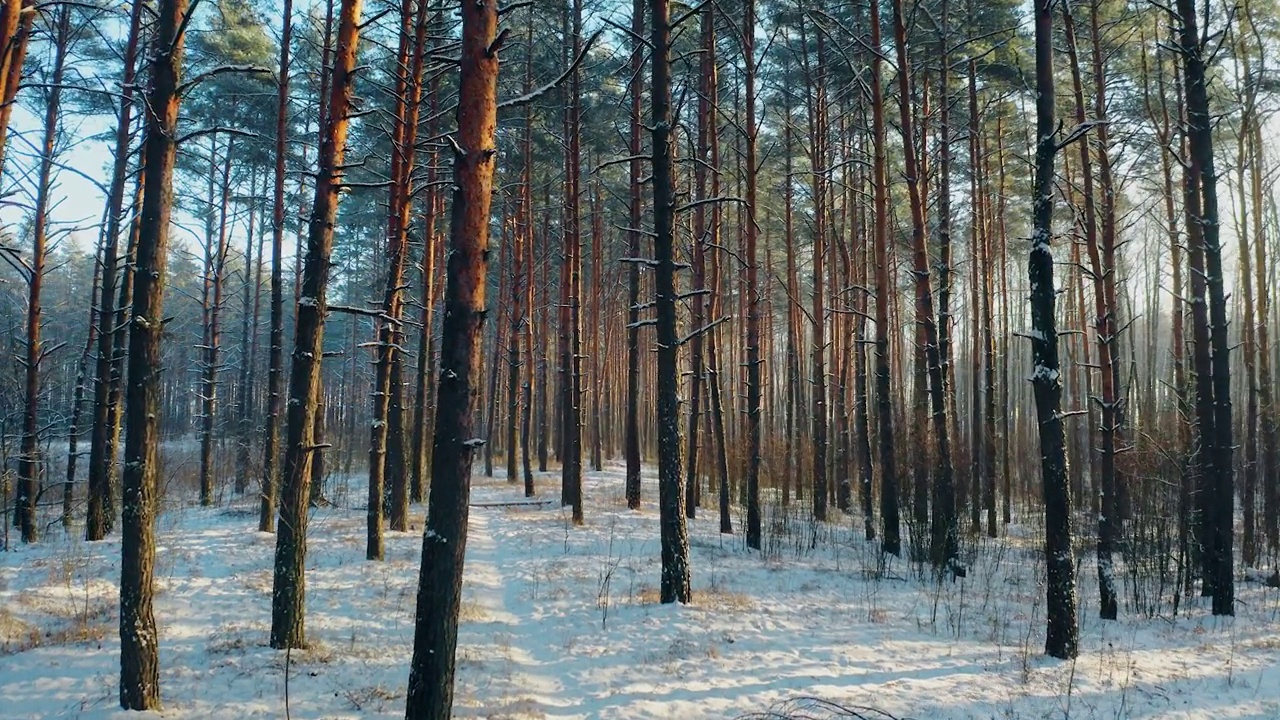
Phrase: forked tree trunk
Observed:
(1216, 464)
(711, 238)
(597, 323)
(1248, 330)
(139, 656)
(288, 619)
(29, 453)
(426, 339)
(430, 693)
(944, 541)
(250, 305)
(1103, 274)
(275, 362)
(817, 116)
(698, 314)
(386, 446)
(215, 264)
(102, 447)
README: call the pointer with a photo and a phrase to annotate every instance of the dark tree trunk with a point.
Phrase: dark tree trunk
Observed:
(1046, 381)
(1216, 465)
(675, 585)
(527, 239)
(139, 655)
(892, 538)
(571, 287)
(631, 424)
(275, 362)
(752, 288)
(430, 693)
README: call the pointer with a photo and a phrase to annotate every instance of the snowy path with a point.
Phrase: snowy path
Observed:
(525, 676)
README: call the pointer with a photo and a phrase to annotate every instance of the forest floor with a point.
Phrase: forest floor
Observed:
(564, 622)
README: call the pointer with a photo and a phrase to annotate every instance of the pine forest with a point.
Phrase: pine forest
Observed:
(743, 359)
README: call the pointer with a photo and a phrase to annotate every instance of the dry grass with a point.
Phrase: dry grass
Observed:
(472, 612)
(714, 598)
(16, 635)
(65, 625)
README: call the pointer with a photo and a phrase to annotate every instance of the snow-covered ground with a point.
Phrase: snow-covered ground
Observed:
(563, 622)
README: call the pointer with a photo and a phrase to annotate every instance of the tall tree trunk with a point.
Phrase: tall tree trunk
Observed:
(215, 264)
(275, 362)
(1103, 274)
(1248, 331)
(102, 448)
(544, 325)
(139, 656)
(426, 339)
(526, 220)
(1270, 434)
(430, 693)
(706, 126)
(16, 21)
(250, 305)
(29, 461)
(675, 586)
(892, 538)
(944, 542)
(711, 238)
(77, 399)
(597, 321)
(752, 288)
(981, 467)
(570, 286)
(817, 100)
(1046, 379)
(386, 447)
(631, 429)
(1216, 464)
(493, 394)
(288, 624)
(793, 395)
(988, 342)
(945, 353)
(516, 316)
